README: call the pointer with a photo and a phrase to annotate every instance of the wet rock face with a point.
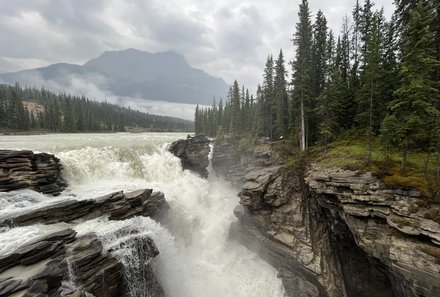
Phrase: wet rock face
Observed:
(54, 261)
(25, 170)
(193, 153)
(387, 224)
(117, 206)
(334, 232)
(224, 157)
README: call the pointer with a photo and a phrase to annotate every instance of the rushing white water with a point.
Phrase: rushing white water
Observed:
(196, 258)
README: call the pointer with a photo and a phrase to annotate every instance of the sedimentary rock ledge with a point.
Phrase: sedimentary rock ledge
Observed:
(37, 171)
(52, 260)
(116, 205)
(334, 232)
(63, 264)
(193, 153)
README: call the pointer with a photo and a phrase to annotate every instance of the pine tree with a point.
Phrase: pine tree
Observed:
(349, 76)
(267, 99)
(319, 52)
(366, 26)
(301, 79)
(369, 91)
(235, 109)
(328, 103)
(197, 121)
(281, 98)
(412, 114)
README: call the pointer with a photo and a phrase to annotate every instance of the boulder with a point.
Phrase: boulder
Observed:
(193, 153)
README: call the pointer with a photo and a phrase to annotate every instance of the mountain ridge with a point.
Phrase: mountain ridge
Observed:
(161, 76)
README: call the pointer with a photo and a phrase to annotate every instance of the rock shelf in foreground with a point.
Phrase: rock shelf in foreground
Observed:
(58, 262)
(117, 206)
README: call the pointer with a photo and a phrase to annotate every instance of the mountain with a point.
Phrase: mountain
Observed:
(162, 76)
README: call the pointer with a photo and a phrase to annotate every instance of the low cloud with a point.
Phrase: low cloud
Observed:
(92, 88)
(225, 38)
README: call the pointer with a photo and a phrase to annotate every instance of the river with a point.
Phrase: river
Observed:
(196, 257)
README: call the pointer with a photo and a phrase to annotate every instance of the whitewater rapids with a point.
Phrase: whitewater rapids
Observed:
(196, 258)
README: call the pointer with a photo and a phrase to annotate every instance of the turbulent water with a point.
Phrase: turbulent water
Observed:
(196, 258)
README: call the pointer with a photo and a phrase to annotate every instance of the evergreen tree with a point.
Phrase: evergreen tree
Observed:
(412, 114)
(328, 103)
(319, 52)
(349, 76)
(281, 98)
(235, 109)
(197, 121)
(267, 99)
(369, 91)
(68, 125)
(301, 78)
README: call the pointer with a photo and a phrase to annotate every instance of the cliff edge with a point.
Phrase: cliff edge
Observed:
(334, 232)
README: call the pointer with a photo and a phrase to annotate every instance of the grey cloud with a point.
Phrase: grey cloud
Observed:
(225, 38)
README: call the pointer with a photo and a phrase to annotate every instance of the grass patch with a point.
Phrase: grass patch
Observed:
(421, 172)
(398, 180)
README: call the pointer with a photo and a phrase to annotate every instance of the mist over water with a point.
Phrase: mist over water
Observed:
(196, 258)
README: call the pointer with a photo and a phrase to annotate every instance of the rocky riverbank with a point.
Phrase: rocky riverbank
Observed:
(53, 260)
(334, 232)
(42, 253)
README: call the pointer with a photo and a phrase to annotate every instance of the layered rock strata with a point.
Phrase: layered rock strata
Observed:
(336, 233)
(193, 153)
(117, 206)
(37, 171)
(54, 261)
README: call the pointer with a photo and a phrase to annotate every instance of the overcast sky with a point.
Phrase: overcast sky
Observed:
(226, 38)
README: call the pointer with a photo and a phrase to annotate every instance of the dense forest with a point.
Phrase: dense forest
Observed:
(25, 109)
(378, 79)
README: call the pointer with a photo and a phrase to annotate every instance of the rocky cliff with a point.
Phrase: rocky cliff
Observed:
(193, 153)
(333, 232)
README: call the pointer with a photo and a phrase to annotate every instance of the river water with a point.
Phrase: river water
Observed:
(196, 258)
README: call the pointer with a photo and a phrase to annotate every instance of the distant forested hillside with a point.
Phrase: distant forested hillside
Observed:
(24, 109)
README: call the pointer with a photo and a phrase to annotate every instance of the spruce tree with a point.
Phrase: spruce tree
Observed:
(412, 114)
(301, 78)
(267, 100)
(281, 98)
(329, 102)
(319, 52)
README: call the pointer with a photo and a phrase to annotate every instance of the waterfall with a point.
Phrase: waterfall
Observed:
(196, 256)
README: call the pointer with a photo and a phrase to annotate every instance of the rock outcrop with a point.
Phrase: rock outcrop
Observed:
(193, 153)
(54, 261)
(117, 206)
(392, 226)
(24, 169)
(336, 233)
